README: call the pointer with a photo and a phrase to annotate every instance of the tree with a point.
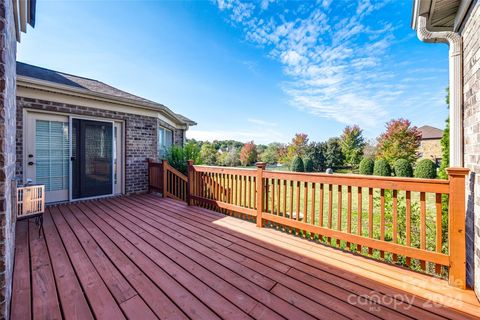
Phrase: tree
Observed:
(399, 141)
(445, 143)
(297, 165)
(248, 154)
(298, 146)
(352, 144)
(316, 152)
(271, 154)
(333, 153)
(177, 156)
(232, 158)
(308, 165)
(208, 154)
(192, 152)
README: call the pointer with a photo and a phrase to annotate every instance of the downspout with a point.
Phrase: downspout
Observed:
(454, 41)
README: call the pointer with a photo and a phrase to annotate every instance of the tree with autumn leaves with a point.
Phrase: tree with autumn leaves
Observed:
(400, 141)
(248, 154)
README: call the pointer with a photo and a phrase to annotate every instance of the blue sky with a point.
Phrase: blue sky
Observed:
(257, 71)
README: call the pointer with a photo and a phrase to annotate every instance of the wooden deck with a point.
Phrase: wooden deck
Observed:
(144, 257)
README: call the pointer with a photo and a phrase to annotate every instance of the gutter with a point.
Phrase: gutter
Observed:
(454, 41)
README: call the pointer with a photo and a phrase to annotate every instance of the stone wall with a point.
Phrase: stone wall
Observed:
(471, 114)
(8, 49)
(430, 149)
(140, 137)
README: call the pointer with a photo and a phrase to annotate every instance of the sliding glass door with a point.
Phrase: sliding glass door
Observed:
(92, 158)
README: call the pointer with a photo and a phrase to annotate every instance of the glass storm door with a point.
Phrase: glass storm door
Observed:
(92, 158)
(47, 154)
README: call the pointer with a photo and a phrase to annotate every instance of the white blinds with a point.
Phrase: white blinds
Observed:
(52, 152)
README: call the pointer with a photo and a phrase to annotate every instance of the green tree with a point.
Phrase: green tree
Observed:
(231, 158)
(352, 144)
(208, 154)
(445, 143)
(333, 153)
(248, 154)
(271, 154)
(308, 165)
(192, 152)
(297, 165)
(316, 152)
(400, 141)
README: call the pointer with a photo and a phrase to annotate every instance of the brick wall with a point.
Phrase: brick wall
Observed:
(8, 49)
(140, 137)
(471, 115)
(430, 149)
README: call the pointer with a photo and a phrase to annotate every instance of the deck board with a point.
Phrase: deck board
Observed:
(145, 257)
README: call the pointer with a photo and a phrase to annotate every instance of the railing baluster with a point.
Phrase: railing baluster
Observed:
(339, 211)
(330, 208)
(359, 215)
(305, 201)
(284, 198)
(382, 219)
(408, 213)
(370, 216)
(320, 209)
(423, 226)
(395, 221)
(349, 212)
(312, 209)
(438, 228)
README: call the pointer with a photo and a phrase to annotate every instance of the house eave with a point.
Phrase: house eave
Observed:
(43, 85)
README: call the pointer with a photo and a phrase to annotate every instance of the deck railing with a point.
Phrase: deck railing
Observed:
(164, 178)
(417, 223)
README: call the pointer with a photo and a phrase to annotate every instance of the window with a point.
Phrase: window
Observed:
(165, 141)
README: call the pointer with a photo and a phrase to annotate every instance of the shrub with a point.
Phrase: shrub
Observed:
(382, 168)
(297, 165)
(403, 168)
(308, 165)
(366, 166)
(425, 168)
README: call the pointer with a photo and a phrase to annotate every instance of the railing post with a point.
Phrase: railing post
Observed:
(189, 181)
(259, 186)
(148, 174)
(164, 178)
(456, 227)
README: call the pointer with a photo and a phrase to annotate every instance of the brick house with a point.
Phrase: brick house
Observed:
(83, 138)
(430, 147)
(456, 23)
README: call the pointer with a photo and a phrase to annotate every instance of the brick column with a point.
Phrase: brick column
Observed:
(7, 151)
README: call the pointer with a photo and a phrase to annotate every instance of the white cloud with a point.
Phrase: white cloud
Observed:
(335, 65)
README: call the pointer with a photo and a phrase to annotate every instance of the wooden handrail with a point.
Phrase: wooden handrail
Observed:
(397, 220)
(164, 178)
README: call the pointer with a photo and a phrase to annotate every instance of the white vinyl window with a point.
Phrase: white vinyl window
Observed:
(165, 141)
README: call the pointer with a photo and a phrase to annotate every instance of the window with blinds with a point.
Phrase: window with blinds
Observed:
(52, 154)
(165, 141)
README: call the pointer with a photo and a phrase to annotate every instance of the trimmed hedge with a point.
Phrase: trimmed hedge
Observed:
(403, 168)
(425, 168)
(366, 166)
(308, 165)
(382, 168)
(297, 165)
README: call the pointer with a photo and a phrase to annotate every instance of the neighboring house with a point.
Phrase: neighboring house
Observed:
(430, 147)
(83, 138)
(457, 23)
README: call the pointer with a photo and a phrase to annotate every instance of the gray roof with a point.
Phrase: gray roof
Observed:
(94, 86)
(429, 132)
